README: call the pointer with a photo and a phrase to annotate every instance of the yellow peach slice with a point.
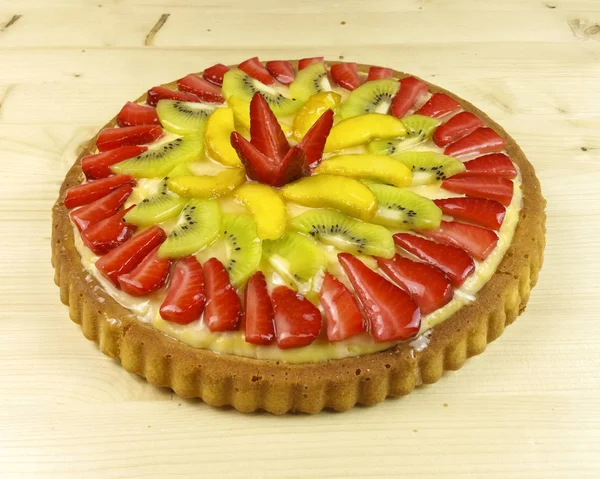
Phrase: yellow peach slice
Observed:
(375, 167)
(207, 186)
(266, 207)
(312, 110)
(216, 137)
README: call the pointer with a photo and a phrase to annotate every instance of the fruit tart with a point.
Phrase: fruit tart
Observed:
(297, 235)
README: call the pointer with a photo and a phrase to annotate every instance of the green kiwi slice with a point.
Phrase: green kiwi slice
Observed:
(183, 117)
(160, 206)
(419, 128)
(237, 83)
(242, 245)
(371, 97)
(309, 81)
(429, 167)
(157, 162)
(345, 233)
(198, 226)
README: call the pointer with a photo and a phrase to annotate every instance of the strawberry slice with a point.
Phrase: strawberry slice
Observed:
(439, 105)
(456, 127)
(478, 186)
(482, 140)
(297, 320)
(313, 142)
(185, 298)
(477, 241)
(342, 311)
(302, 64)
(294, 166)
(124, 258)
(346, 75)
(93, 190)
(223, 308)
(201, 87)
(391, 314)
(254, 68)
(265, 131)
(107, 234)
(98, 165)
(259, 316)
(148, 276)
(487, 213)
(378, 73)
(427, 285)
(258, 166)
(111, 138)
(133, 114)
(410, 91)
(495, 164)
(101, 208)
(154, 95)
(455, 262)
(282, 71)
(215, 73)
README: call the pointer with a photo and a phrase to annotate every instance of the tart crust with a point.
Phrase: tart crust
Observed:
(250, 384)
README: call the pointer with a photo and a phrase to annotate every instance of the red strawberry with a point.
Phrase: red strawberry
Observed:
(391, 314)
(265, 132)
(297, 320)
(93, 190)
(479, 186)
(455, 262)
(302, 64)
(495, 164)
(313, 142)
(477, 241)
(216, 73)
(185, 298)
(410, 91)
(133, 114)
(427, 285)
(126, 257)
(377, 73)
(283, 71)
(223, 308)
(254, 68)
(111, 138)
(438, 105)
(158, 93)
(294, 166)
(482, 140)
(346, 75)
(148, 276)
(342, 311)
(101, 208)
(258, 166)
(107, 234)
(479, 211)
(98, 165)
(204, 89)
(259, 316)
(456, 127)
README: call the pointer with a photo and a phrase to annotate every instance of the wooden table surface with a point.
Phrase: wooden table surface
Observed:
(529, 407)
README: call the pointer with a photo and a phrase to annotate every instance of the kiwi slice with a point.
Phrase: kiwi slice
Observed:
(429, 167)
(157, 162)
(160, 206)
(198, 226)
(310, 81)
(345, 233)
(242, 245)
(183, 117)
(371, 97)
(419, 128)
(237, 83)
(404, 209)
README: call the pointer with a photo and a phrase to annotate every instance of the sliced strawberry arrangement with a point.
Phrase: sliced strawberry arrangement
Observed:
(297, 320)
(258, 166)
(478, 186)
(427, 285)
(314, 141)
(487, 213)
(215, 73)
(455, 262)
(495, 164)
(201, 87)
(223, 308)
(157, 93)
(259, 316)
(98, 166)
(265, 131)
(378, 73)
(93, 190)
(254, 68)
(481, 141)
(293, 166)
(456, 127)
(477, 241)
(282, 71)
(101, 208)
(124, 258)
(346, 75)
(342, 311)
(111, 138)
(108, 233)
(410, 91)
(185, 298)
(148, 276)
(439, 105)
(391, 313)
(302, 64)
(133, 114)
